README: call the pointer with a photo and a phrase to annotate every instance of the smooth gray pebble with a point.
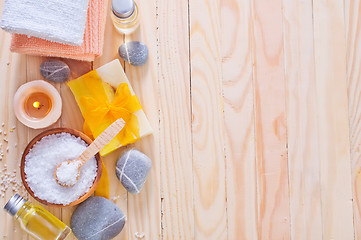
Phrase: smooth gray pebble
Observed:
(55, 70)
(97, 218)
(132, 170)
(135, 53)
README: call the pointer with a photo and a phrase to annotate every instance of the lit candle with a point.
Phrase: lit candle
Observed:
(37, 104)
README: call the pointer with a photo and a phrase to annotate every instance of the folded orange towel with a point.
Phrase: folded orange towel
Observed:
(91, 48)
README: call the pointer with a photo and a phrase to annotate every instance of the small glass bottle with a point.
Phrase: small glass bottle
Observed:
(35, 220)
(125, 15)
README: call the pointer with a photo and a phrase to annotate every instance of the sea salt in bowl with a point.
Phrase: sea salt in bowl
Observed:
(39, 180)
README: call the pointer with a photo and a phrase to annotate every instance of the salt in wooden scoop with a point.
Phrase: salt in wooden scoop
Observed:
(67, 173)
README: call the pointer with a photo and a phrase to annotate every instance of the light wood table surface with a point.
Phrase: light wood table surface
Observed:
(255, 106)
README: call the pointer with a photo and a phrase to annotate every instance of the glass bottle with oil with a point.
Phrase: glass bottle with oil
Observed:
(36, 221)
(125, 15)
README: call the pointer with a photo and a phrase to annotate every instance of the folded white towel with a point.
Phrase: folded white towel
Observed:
(55, 20)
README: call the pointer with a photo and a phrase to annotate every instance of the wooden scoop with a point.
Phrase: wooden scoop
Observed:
(71, 168)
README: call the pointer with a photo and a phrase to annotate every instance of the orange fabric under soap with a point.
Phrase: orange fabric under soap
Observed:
(91, 48)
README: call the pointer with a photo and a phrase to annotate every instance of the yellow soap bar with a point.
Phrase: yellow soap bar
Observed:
(113, 74)
(95, 92)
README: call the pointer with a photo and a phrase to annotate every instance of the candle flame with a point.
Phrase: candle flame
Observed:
(36, 104)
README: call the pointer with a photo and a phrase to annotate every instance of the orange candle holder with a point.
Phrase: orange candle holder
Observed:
(37, 104)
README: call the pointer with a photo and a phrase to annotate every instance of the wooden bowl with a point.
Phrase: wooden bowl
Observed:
(55, 131)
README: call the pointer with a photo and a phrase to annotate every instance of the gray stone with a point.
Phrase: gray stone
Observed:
(55, 70)
(135, 53)
(132, 170)
(97, 219)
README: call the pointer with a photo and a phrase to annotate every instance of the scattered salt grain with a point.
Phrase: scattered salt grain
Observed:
(7, 149)
(16, 145)
(67, 173)
(139, 235)
(5, 133)
(45, 156)
(116, 197)
(3, 124)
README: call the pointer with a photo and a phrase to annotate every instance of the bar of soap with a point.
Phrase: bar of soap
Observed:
(98, 87)
(97, 219)
(113, 74)
(132, 170)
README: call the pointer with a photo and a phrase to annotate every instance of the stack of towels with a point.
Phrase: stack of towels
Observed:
(66, 28)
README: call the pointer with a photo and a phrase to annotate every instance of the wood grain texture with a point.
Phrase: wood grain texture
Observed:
(270, 121)
(176, 170)
(353, 60)
(332, 123)
(144, 209)
(248, 100)
(210, 216)
(13, 72)
(303, 140)
(146, 214)
(237, 70)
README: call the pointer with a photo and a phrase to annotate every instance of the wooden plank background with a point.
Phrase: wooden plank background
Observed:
(255, 110)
